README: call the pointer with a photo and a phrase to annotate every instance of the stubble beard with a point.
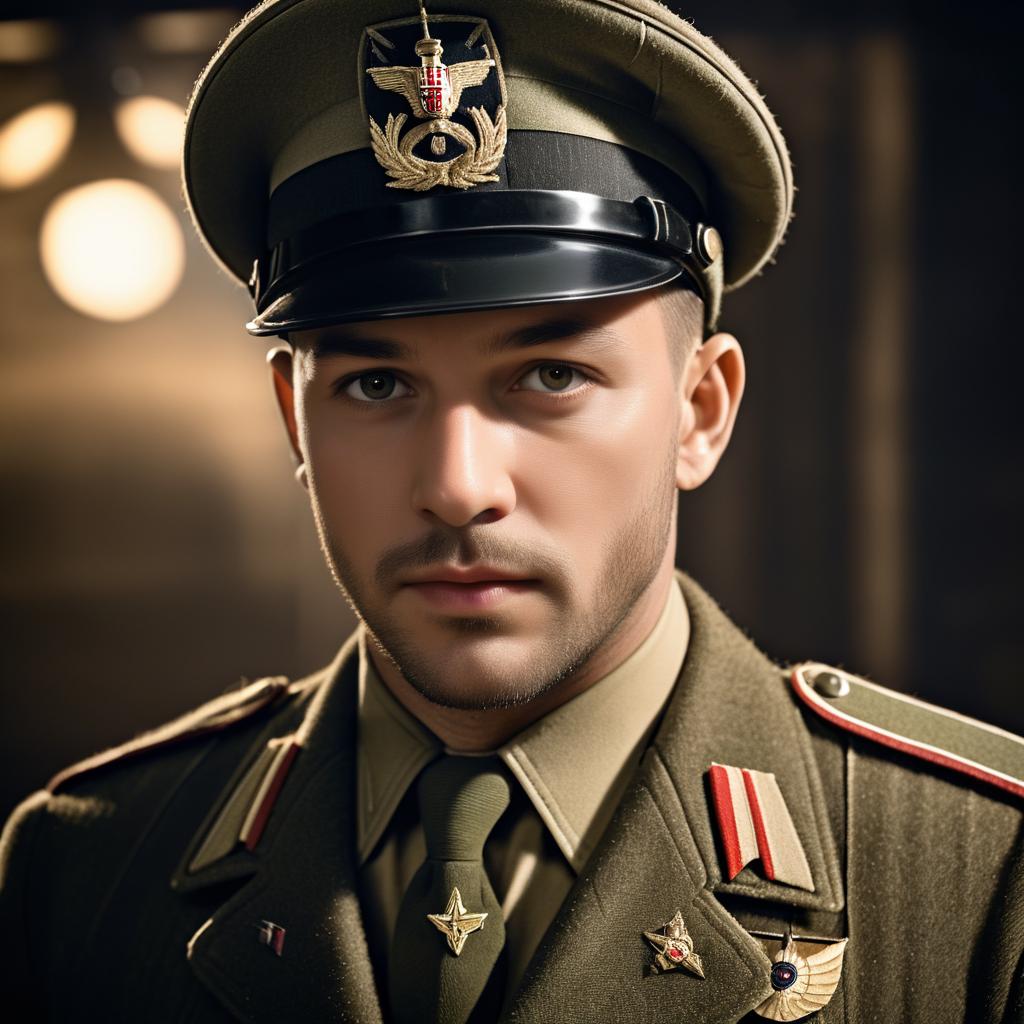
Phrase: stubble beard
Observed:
(632, 560)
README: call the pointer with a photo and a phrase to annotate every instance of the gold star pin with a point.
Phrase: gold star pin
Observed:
(455, 923)
(675, 948)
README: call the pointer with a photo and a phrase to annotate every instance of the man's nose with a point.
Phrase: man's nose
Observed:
(462, 468)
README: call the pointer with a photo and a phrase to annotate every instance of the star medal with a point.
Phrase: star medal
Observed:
(455, 923)
(674, 948)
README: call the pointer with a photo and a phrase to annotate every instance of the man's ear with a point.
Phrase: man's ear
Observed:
(281, 361)
(709, 396)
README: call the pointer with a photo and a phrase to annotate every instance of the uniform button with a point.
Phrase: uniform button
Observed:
(831, 684)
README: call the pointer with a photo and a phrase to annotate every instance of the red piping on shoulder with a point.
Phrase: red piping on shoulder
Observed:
(904, 745)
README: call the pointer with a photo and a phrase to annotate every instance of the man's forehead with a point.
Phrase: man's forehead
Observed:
(598, 326)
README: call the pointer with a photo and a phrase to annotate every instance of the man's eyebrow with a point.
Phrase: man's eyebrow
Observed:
(338, 342)
(552, 330)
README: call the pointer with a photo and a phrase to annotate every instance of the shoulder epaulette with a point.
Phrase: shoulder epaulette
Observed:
(912, 726)
(218, 714)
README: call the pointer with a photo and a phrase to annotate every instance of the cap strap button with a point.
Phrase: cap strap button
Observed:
(709, 244)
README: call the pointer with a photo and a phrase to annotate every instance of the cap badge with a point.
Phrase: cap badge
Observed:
(802, 984)
(457, 145)
(674, 948)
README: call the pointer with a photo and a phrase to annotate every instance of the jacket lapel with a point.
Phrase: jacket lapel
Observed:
(733, 706)
(660, 854)
(283, 947)
(595, 958)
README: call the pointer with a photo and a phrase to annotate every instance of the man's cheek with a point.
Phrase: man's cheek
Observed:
(594, 483)
(361, 513)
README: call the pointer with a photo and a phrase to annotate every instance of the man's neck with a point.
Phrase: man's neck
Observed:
(475, 732)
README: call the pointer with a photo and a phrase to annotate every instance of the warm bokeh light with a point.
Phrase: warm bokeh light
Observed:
(112, 249)
(23, 42)
(152, 129)
(33, 142)
(186, 31)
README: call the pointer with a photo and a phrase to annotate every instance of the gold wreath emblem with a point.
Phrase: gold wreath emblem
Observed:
(482, 155)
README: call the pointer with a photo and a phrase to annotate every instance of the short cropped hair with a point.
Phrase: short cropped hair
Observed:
(682, 312)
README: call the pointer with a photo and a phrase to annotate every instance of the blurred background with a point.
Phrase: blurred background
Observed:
(156, 549)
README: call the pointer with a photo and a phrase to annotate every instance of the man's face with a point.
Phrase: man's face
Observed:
(537, 444)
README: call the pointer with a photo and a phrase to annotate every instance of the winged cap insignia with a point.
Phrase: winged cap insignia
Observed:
(433, 92)
(433, 89)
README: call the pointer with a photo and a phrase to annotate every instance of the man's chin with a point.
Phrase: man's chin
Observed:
(482, 672)
(473, 696)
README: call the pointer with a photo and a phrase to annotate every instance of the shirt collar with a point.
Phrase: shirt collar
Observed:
(392, 749)
(574, 786)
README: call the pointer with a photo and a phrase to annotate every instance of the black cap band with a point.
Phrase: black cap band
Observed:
(533, 161)
(647, 223)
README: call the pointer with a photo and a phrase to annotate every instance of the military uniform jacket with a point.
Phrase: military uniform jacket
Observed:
(916, 859)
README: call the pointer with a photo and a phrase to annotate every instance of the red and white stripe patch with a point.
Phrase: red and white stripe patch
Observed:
(272, 935)
(754, 823)
(266, 796)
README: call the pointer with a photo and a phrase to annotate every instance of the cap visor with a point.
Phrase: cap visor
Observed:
(474, 271)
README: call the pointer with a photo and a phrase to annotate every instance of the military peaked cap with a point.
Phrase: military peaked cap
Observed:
(361, 159)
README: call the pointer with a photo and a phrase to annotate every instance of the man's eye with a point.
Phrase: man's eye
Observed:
(553, 378)
(375, 386)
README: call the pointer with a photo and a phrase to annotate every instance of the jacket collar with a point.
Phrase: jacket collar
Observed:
(659, 855)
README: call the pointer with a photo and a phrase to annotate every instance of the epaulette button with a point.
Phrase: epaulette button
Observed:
(831, 684)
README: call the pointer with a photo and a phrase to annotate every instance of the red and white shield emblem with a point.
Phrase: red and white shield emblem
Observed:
(435, 89)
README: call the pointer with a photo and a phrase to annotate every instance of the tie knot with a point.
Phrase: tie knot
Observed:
(461, 800)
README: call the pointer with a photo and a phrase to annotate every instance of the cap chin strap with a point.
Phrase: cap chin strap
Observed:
(647, 224)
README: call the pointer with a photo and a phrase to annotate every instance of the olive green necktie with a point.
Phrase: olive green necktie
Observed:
(449, 931)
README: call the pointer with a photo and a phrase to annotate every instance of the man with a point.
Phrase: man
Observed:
(546, 779)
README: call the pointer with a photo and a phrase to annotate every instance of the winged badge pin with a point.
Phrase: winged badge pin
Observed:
(802, 984)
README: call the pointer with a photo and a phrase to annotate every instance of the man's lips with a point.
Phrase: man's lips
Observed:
(472, 574)
(474, 596)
